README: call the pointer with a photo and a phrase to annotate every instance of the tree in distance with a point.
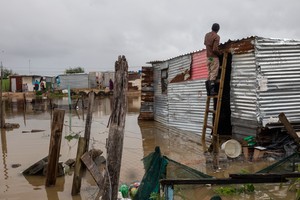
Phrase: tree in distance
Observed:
(74, 70)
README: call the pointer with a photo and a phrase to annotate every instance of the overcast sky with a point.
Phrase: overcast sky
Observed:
(46, 37)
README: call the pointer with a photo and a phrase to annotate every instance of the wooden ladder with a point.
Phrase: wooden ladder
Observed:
(216, 112)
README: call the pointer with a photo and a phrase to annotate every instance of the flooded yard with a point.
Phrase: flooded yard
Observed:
(30, 142)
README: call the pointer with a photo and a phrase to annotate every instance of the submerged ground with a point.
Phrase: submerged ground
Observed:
(24, 146)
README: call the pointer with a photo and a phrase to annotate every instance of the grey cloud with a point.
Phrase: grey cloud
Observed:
(59, 34)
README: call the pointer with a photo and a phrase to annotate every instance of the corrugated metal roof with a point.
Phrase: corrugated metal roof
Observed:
(160, 61)
(237, 46)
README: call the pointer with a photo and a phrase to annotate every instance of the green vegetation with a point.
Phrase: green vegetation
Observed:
(7, 72)
(5, 85)
(71, 137)
(230, 190)
(155, 196)
(74, 70)
(39, 93)
(295, 186)
(57, 94)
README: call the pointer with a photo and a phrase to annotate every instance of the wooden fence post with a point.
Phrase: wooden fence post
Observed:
(54, 147)
(89, 119)
(116, 130)
(78, 170)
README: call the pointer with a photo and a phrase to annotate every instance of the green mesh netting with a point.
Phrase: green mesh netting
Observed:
(160, 167)
(286, 165)
(176, 170)
(155, 169)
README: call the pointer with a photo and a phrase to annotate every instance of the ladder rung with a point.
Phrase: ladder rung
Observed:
(208, 126)
(212, 111)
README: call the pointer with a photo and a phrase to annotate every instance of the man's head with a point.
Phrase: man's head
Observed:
(215, 27)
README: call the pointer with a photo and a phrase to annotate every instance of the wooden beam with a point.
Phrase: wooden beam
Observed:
(93, 168)
(262, 175)
(224, 181)
(78, 170)
(89, 118)
(289, 127)
(116, 130)
(54, 147)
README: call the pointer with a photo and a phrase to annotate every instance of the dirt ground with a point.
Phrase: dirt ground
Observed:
(18, 95)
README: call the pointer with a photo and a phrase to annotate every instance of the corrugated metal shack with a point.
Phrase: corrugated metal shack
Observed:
(100, 79)
(179, 91)
(75, 81)
(262, 80)
(265, 81)
(18, 82)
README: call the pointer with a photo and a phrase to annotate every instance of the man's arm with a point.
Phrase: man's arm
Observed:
(216, 46)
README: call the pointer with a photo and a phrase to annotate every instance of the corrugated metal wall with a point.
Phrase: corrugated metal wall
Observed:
(243, 95)
(160, 100)
(78, 81)
(199, 65)
(106, 76)
(187, 101)
(278, 62)
(93, 76)
(178, 66)
(184, 104)
(265, 83)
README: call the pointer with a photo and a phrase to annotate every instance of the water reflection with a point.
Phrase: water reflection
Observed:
(183, 148)
(36, 115)
(4, 157)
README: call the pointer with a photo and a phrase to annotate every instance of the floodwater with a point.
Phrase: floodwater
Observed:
(29, 143)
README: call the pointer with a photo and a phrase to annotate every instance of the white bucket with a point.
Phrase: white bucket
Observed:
(232, 148)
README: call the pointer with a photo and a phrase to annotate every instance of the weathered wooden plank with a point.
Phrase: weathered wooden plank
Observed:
(116, 129)
(89, 119)
(291, 131)
(54, 147)
(264, 175)
(93, 169)
(224, 181)
(36, 167)
(78, 170)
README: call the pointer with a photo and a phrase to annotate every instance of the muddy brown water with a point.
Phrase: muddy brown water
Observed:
(26, 145)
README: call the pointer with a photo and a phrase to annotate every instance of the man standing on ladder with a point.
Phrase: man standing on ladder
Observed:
(212, 41)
